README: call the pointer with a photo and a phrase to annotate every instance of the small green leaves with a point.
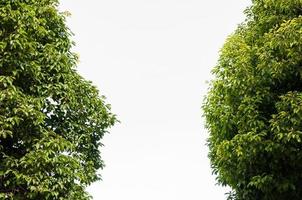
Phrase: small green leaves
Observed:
(254, 106)
(5, 133)
(51, 119)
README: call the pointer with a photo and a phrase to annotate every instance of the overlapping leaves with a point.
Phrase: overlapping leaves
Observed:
(51, 119)
(253, 108)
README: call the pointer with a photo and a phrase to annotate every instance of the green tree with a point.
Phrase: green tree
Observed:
(51, 119)
(253, 109)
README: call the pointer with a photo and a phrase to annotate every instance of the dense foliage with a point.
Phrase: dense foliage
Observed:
(253, 109)
(51, 119)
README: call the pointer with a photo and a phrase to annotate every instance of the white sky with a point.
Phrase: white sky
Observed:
(151, 58)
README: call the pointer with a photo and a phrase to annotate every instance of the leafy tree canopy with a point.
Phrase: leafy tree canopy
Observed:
(253, 109)
(51, 119)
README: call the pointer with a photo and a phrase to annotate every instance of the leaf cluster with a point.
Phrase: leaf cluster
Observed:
(253, 109)
(51, 119)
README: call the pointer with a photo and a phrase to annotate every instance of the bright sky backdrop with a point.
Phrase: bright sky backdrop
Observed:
(151, 59)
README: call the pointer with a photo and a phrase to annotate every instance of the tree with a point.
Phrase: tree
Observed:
(253, 109)
(51, 119)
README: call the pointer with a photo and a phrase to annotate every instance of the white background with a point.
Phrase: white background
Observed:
(151, 58)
